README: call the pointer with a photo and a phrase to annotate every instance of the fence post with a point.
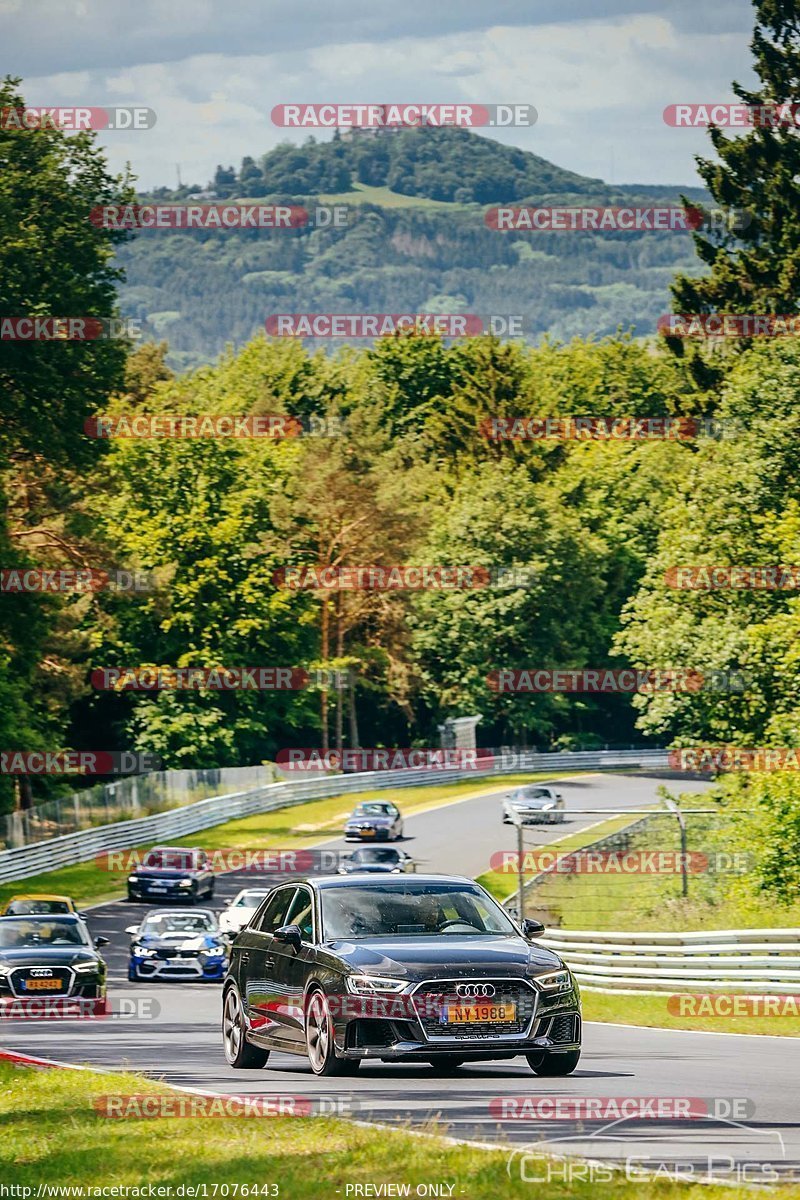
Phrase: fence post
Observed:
(673, 807)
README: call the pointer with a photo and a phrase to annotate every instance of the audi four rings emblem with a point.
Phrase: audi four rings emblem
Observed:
(40, 971)
(475, 989)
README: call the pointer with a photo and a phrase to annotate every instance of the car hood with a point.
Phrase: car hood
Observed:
(540, 802)
(51, 956)
(443, 956)
(179, 941)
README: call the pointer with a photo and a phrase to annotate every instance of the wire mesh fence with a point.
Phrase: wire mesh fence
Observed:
(628, 875)
(126, 799)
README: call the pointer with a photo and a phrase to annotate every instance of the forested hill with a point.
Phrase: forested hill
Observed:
(435, 164)
(416, 240)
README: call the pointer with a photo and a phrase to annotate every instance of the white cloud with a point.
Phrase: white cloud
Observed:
(600, 86)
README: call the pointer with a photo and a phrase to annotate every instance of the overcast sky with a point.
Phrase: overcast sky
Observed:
(599, 72)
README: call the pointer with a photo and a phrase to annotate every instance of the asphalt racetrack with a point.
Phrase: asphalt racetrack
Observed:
(174, 1034)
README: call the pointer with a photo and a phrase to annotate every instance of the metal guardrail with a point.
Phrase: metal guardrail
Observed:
(751, 960)
(24, 861)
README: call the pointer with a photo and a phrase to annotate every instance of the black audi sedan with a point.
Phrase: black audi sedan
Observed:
(172, 873)
(50, 956)
(424, 968)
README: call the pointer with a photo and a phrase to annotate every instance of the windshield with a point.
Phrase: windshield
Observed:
(534, 794)
(27, 908)
(170, 860)
(410, 909)
(375, 854)
(16, 934)
(161, 923)
(249, 899)
(372, 810)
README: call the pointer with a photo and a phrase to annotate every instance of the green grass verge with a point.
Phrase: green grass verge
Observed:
(52, 1134)
(653, 1011)
(288, 828)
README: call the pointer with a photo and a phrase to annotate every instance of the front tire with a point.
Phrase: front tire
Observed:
(319, 1038)
(553, 1064)
(238, 1051)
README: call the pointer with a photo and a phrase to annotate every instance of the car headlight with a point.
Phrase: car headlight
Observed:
(133, 879)
(186, 883)
(214, 952)
(4, 970)
(85, 967)
(144, 951)
(555, 981)
(372, 985)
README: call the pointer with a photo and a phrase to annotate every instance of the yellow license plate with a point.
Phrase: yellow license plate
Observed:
(43, 985)
(467, 1014)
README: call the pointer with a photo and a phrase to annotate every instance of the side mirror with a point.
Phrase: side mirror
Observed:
(132, 929)
(291, 934)
(532, 929)
(101, 941)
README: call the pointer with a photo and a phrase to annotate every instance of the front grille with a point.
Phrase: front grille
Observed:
(177, 953)
(515, 991)
(24, 981)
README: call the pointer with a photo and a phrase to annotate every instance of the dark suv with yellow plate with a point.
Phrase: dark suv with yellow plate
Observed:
(396, 967)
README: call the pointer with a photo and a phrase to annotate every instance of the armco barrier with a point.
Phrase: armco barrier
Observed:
(24, 861)
(747, 960)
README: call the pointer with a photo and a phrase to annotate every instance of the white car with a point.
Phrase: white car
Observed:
(533, 805)
(241, 908)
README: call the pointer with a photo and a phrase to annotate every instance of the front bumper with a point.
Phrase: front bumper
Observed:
(536, 816)
(544, 1023)
(367, 833)
(396, 1048)
(145, 891)
(178, 968)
